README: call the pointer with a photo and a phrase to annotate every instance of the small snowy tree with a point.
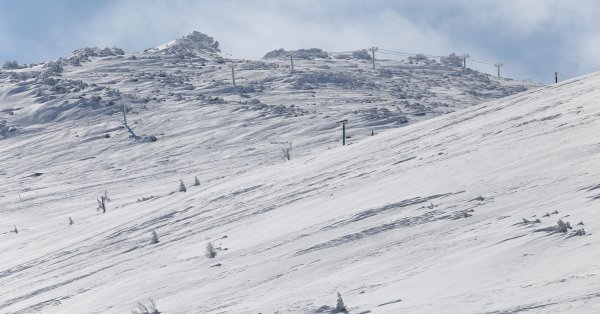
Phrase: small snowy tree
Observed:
(562, 226)
(71, 221)
(210, 251)
(182, 187)
(340, 307)
(196, 181)
(154, 237)
(146, 309)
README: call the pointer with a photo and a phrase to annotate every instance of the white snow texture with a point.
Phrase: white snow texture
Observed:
(456, 191)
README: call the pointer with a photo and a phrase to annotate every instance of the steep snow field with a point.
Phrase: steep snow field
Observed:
(438, 216)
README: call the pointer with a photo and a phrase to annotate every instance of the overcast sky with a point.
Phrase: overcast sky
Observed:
(533, 38)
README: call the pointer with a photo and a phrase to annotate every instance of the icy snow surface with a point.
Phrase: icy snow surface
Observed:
(457, 213)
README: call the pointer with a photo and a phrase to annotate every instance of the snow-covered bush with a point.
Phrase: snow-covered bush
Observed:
(339, 307)
(146, 309)
(306, 54)
(154, 237)
(11, 65)
(579, 232)
(562, 226)
(210, 251)
(23, 75)
(84, 54)
(361, 54)
(310, 54)
(420, 59)
(52, 68)
(452, 60)
(182, 187)
(196, 181)
(276, 54)
(149, 138)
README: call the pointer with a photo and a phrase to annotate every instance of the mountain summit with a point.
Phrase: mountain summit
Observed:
(191, 45)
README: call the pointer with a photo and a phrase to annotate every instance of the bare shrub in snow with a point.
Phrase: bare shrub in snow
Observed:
(102, 204)
(196, 181)
(182, 187)
(154, 237)
(210, 251)
(286, 152)
(15, 230)
(150, 308)
(339, 307)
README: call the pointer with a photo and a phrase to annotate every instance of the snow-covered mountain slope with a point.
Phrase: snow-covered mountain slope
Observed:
(192, 71)
(438, 216)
